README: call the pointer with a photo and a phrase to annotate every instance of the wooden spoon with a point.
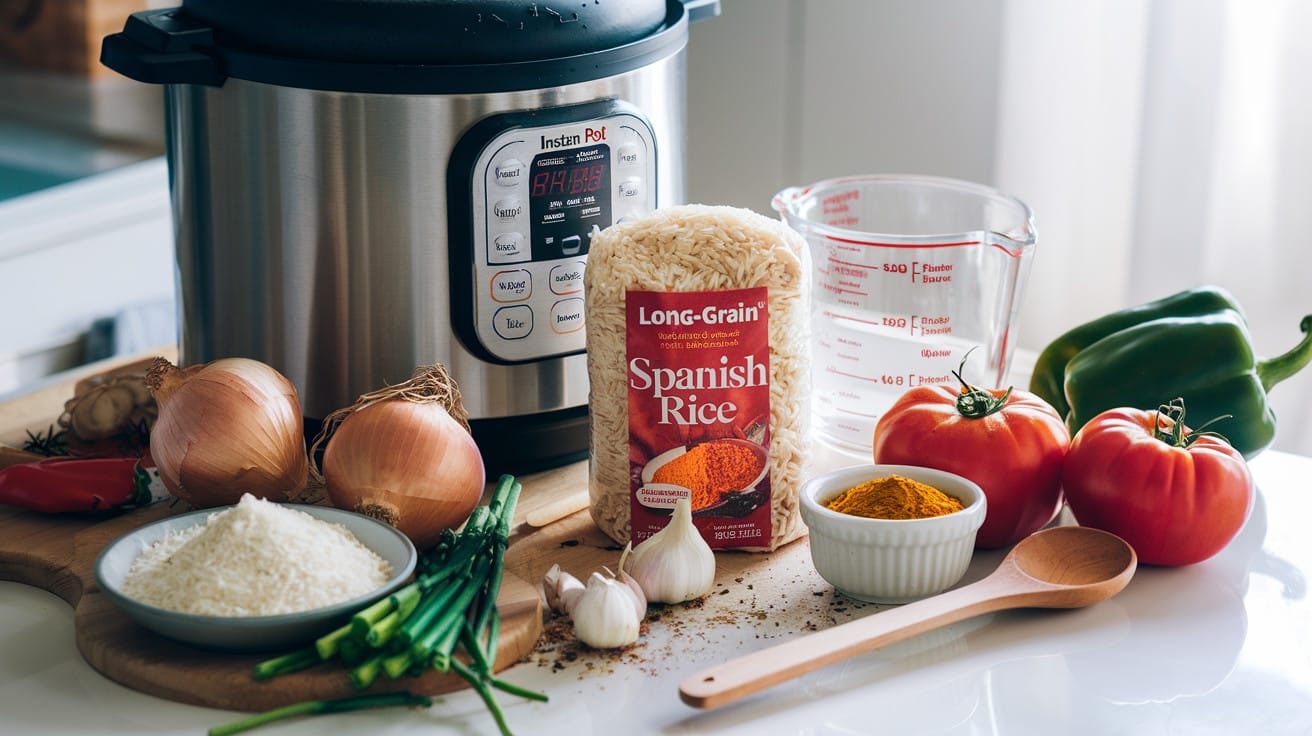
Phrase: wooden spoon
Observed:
(1062, 567)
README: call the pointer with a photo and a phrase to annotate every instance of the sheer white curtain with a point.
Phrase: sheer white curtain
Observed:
(1164, 145)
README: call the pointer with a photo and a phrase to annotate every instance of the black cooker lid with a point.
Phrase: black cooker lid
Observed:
(427, 31)
(399, 46)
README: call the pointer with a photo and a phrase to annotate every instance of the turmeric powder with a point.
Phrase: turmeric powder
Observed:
(894, 497)
(710, 470)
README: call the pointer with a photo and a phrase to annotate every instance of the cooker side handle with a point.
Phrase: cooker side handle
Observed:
(164, 46)
(701, 9)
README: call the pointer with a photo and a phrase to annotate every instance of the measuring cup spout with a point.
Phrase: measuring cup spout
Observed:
(783, 201)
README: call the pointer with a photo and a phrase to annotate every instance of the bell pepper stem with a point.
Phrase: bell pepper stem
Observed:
(1274, 370)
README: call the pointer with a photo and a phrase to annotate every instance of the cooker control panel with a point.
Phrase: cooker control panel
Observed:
(540, 184)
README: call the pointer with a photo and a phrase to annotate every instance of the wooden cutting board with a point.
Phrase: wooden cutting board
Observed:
(57, 553)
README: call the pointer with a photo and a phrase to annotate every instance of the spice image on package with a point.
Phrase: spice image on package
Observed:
(699, 374)
(711, 470)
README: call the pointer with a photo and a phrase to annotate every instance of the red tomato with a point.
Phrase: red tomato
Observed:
(1177, 497)
(1012, 445)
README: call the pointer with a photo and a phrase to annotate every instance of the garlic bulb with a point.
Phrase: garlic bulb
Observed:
(606, 615)
(562, 589)
(103, 408)
(674, 564)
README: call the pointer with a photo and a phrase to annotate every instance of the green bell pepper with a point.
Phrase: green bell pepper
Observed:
(1049, 378)
(1193, 345)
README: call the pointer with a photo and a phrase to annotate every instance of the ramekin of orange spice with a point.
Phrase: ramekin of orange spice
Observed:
(924, 549)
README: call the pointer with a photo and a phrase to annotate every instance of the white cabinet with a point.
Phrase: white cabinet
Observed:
(92, 249)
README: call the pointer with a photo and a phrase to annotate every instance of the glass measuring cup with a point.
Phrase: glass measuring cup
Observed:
(910, 273)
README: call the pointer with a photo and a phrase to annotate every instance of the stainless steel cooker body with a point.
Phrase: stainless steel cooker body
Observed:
(312, 231)
(364, 187)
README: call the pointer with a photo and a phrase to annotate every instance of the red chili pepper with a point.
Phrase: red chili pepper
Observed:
(78, 485)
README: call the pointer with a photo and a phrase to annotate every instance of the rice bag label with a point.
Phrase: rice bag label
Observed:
(699, 412)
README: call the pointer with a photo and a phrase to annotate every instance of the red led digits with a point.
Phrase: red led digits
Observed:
(578, 179)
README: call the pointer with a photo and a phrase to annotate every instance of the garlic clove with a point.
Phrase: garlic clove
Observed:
(570, 590)
(639, 597)
(674, 564)
(547, 587)
(604, 615)
(639, 594)
(562, 590)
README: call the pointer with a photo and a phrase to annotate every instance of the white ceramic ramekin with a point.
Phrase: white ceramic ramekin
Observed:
(886, 560)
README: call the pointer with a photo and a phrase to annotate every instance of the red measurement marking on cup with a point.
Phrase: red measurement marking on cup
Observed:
(914, 324)
(867, 415)
(879, 244)
(918, 271)
(931, 273)
(851, 396)
(861, 267)
(895, 380)
(832, 315)
(921, 325)
(923, 380)
(836, 372)
(838, 289)
(1013, 252)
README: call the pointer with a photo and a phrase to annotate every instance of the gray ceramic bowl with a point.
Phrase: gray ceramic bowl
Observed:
(250, 633)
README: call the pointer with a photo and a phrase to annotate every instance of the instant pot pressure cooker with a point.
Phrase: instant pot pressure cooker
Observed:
(361, 187)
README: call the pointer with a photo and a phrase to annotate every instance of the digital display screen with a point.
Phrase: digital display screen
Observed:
(569, 193)
(577, 179)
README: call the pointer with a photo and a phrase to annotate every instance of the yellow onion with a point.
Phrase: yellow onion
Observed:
(400, 456)
(226, 428)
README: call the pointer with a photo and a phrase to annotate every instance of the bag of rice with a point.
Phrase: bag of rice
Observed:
(699, 367)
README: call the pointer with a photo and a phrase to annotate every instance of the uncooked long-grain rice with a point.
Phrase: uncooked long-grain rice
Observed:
(697, 248)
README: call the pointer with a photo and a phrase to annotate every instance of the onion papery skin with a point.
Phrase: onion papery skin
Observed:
(226, 428)
(406, 463)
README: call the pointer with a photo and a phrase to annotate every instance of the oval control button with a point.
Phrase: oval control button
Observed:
(567, 316)
(508, 208)
(630, 188)
(567, 278)
(628, 154)
(512, 286)
(513, 323)
(508, 248)
(510, 172)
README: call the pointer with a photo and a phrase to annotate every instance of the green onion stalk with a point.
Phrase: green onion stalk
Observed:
(315, 707)
(449, 606)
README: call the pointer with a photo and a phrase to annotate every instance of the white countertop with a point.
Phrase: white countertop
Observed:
(1222, 647)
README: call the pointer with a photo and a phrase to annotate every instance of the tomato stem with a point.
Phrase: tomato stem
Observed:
(1169, 426)
(976, 403)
